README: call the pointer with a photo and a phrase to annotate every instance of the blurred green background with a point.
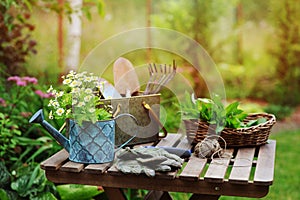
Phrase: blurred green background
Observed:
(255, 46)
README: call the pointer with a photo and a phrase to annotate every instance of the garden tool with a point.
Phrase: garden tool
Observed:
(159, 77)
(108, 90)
(146, 160)
(125, 77)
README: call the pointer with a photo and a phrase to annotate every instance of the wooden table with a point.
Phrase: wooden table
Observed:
(248, 173)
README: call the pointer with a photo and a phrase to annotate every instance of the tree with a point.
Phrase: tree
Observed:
(15, 37)
(196, 19)
(285, 17)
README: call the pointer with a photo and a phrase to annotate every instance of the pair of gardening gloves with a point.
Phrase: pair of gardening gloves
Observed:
(146, 160)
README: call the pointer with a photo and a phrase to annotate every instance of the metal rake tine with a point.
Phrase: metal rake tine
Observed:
(168, 77)
(151, 74)
(155, 79)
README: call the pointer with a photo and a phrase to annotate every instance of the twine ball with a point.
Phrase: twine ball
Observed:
(207, 148)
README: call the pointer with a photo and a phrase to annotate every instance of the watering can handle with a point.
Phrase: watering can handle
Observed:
(151, 112)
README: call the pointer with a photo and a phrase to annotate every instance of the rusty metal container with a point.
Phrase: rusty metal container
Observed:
(147, 129)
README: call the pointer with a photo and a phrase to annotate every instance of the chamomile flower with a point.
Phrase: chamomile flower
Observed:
(88, 91)
(59, 94)
(67, 81)
(75, 90)
(75, 83)
(60, 111)
(92, 110)
(87, 98)
(74, 101)
(80, 104)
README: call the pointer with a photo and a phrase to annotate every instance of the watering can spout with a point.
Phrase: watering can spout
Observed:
(38, 117)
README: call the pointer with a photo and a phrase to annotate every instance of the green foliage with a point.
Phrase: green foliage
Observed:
(21, 143)
(15, 32)
(216, 113)
(74, 191)
(79, 98)
(27, 181)
(9, 132)
(279, 111)
(285, 17)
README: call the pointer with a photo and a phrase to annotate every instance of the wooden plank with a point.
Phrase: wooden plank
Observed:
(143, 182)
(55, 161)
(97, 168)
(218, 167)
(242, 165)
(264, 172)
(72, 167)
(184, 144)
(170, 140)
(193, 168)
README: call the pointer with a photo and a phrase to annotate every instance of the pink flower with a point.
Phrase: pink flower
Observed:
(43, 95)
(14, 78)
(30, 79)
(2, 102)
(21, 83)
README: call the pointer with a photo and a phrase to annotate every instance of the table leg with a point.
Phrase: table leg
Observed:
(114, 193)
(157, 195)
(204, 197)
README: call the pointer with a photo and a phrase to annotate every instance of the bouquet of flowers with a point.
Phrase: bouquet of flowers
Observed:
(79, 99)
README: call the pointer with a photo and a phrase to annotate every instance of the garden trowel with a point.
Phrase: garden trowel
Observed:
(108, 90)
(125, 78)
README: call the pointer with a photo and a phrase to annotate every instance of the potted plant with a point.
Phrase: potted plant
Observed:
(90, 123)
(203, 117)
(79, 99)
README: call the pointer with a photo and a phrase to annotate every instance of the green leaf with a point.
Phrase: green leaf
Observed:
(73, 191)
(256, 122)
(44, 196)
(3, 195)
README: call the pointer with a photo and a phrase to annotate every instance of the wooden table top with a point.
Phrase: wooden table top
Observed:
(246, 172)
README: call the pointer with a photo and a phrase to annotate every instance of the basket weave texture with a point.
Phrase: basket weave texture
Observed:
(197, 130)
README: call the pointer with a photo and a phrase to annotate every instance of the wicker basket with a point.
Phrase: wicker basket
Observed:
(197, 130)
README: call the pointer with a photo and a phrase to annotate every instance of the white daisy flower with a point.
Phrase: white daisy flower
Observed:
(59, 94)
(88, 91)
(92, 110)
(88, 98)
(74, 101)
(80, 104)
(75, 90)
(67, 81)
(60, 111)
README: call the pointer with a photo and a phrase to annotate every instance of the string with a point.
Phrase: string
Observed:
(221, 153)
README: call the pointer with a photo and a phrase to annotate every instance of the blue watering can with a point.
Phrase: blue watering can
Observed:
(88, 143)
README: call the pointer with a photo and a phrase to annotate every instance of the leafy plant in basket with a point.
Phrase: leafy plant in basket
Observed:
(205, 117)
(79, 98)
(216, 113)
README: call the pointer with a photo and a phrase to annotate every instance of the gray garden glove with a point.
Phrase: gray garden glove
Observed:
(146, 160)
